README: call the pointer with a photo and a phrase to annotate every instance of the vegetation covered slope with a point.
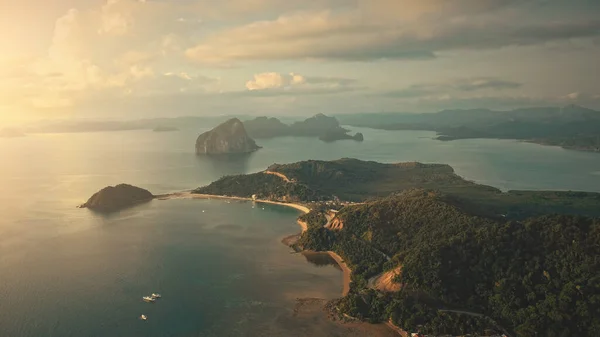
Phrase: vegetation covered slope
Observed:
(264, 186)
(356, 180)
(114, 198)
(538, 277)
(319, 125)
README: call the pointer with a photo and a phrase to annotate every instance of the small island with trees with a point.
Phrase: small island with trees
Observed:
(114, 198)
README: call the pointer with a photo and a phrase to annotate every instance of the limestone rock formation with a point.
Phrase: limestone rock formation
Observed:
(228, 137)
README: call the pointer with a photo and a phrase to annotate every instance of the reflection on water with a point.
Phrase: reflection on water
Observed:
(320, 259)
(224, 164)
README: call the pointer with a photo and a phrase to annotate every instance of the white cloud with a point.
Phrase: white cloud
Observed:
(274, 80)
(573, 96)
(380, 29)
(115, 49)
(276, 84)
(462, 86)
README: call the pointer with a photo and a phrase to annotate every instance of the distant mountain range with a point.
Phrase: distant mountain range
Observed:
(326, 128)
(572, 126)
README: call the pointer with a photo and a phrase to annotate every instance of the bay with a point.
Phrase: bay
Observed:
(68, 272)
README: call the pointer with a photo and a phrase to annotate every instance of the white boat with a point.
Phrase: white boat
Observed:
(143, 317)
(148, 299)
(155, 296)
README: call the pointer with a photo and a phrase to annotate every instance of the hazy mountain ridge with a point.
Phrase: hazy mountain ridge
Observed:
(571, 126)
(327, 128)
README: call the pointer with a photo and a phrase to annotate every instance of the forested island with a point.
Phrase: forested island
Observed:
(114, 198)
(466, 258)
(326, 128)
(571, 127)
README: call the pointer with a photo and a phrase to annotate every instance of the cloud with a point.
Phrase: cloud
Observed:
(581, 98)
(274, 80)
(277, 84)
(378, 29)
(125, 47)
(572, 96)
(458, 86)
(174, 83)
(485, 83)
(108, 54)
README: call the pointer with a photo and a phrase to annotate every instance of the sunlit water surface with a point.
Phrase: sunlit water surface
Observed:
(222, 272)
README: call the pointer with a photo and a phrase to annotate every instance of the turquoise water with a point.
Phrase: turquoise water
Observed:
(223, 272)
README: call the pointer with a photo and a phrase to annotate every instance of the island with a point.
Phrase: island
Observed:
(340, 134)
(229, 137)
(165, 129)
(324, 127)
(265, 127)
(433, 253)
(115, 198)
(571, 127)
(315, 126)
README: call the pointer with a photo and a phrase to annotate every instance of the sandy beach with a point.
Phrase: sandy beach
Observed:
(347, 272)
(190, 195)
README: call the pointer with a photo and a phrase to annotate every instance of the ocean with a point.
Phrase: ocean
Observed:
(66, 271)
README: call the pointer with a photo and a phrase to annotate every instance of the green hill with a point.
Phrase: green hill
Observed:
(523, 260)
(358, 181)
(538, 277)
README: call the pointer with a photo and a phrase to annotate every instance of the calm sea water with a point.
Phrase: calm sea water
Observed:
(222, 272)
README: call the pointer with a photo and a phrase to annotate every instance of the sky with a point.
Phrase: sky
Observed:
(127, 59)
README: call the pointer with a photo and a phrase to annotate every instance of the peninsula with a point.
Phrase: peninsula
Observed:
(427, 251)
(431, 252)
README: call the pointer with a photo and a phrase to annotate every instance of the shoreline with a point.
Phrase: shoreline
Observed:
(347, 272)
(189, 195)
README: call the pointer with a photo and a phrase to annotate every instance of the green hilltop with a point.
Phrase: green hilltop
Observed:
(471, 259)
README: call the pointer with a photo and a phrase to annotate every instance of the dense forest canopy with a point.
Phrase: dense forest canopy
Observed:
(537, 277)
(520, 261)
